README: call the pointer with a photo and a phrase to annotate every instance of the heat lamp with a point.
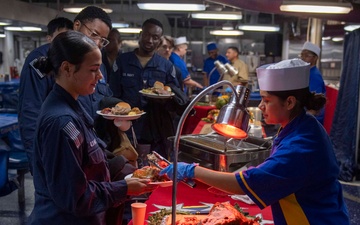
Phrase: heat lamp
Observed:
(232, 121)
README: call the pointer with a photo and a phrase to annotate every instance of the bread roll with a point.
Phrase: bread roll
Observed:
(159, 85)
(167, 88)
(122, 108)
(123, 105)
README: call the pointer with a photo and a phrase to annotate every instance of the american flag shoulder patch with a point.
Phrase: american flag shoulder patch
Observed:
(73, 133)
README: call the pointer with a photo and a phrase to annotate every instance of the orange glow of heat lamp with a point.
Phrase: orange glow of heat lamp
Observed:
(229, 131)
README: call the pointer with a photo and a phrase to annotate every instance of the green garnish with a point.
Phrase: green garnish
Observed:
(156, 218)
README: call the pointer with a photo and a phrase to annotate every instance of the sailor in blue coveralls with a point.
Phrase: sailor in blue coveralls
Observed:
(71, 176)
(35, 86)
(140, 69)
(212, 74)
(299, 179)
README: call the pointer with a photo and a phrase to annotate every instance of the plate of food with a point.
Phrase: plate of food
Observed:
(158, 91)
(152, 173)
(122, 111)
(184, 219)
(220, 213)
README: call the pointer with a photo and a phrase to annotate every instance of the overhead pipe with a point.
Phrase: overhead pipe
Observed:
(204, 39)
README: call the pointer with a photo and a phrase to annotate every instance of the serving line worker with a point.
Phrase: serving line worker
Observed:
(213, 76)
(71, 176)
(299, 179)
(310, 54)
(176, 57)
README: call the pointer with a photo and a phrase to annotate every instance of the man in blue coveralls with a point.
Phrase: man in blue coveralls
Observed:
(140, 69)
(212, 74)
(111, 51)
(35, 86)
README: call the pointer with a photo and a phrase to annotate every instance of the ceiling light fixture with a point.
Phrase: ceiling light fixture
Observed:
(226, 32)
(31, 28)
(316, 7)
(2, 34)
(4, 24)
(263, 28)
(13, 28)
(352, 27)
(120, 25)
(172, 6)
(337, 39)
(23, 28)
(227, 26)
(218, 16)
(77, 9)
(130, 30)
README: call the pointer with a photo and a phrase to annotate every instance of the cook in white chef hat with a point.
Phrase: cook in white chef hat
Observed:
(290, 74)
(180, 41)
(311, 47)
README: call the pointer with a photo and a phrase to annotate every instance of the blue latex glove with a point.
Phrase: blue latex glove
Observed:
(228, 90)
(184, 171)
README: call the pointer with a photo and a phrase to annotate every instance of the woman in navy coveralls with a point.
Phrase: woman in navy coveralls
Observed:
(71, 174)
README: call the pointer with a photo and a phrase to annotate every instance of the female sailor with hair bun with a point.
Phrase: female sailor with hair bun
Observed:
(71, 174)
(299, 178)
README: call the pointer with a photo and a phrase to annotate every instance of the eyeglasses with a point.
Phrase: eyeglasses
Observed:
(96, 37)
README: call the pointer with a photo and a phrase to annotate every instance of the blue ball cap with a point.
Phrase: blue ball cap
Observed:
(211, 46)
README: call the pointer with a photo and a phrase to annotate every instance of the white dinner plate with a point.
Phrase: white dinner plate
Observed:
(161, 184)
(122, 117)
(154, 95)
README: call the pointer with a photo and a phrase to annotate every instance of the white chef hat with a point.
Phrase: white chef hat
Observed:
(311, 47)
(290, 74)
(180, 40)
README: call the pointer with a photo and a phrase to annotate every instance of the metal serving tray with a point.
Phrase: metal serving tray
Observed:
(218, 143)
(219, 153)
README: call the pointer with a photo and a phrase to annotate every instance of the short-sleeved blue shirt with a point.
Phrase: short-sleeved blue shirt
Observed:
(317, 85)
(180, 63)
(299, 179)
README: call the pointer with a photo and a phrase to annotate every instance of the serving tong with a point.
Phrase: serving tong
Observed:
(190, 183)
(154, 163)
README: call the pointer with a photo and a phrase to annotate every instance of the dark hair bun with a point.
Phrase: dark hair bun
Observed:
(43, 64)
